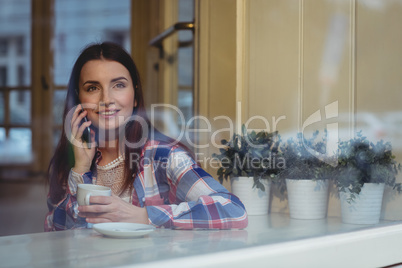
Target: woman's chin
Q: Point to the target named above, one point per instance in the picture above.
(109, 128)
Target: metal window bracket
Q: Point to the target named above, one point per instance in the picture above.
(179, 26)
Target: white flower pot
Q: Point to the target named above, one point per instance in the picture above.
(366, 207)
(307, 199)
(255, 200)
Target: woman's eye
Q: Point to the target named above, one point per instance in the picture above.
(120, 85)
(90, 89)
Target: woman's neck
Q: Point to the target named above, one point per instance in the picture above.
(110, 151)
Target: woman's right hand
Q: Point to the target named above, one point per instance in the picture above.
(82, 154)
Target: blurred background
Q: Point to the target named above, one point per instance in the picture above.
(39, 42)
(261, 59)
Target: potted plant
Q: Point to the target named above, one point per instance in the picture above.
(364, 169)
(250, 160)
(306, 176)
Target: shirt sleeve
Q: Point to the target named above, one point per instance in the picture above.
(64, 214)
(199, 200)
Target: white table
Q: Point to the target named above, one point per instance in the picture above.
(273, 240)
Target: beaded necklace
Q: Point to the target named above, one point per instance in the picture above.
(112, 164)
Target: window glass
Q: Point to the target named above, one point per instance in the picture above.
(15, 41)
(3, 46)
(59, 98)
(20, 46)
(17, 148)
(20, 107)
(78, 23)
(3, 76)
(15, 72)
(2, 135)
(1, 108)
(341, 73)
(21, 75)
(185, 62)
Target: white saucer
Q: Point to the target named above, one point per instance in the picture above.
(123, 229)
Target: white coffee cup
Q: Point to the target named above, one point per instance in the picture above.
(85, 191)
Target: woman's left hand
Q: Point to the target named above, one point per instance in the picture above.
(112, 209)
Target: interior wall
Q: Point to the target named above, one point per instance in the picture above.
(215, 77)
(379, 80)
(272, 58)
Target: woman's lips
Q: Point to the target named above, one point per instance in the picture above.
(108, 113)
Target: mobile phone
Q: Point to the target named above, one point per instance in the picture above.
(86, 135)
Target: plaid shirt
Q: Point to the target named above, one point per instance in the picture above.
(176, 192)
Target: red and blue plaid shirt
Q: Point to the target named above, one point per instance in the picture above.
(174, 189)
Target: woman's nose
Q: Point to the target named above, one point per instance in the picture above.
(106, 97)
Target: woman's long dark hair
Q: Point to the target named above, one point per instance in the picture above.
(63, 159)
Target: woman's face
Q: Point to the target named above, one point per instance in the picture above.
(106, 91)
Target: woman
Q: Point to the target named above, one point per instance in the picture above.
(153, 179)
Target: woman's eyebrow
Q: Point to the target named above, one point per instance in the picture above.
(113, 80)
(90, 82)
(118, 78)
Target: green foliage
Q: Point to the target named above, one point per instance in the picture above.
(263, 156)
(250, 154)
(302, 164)
(361, 161)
